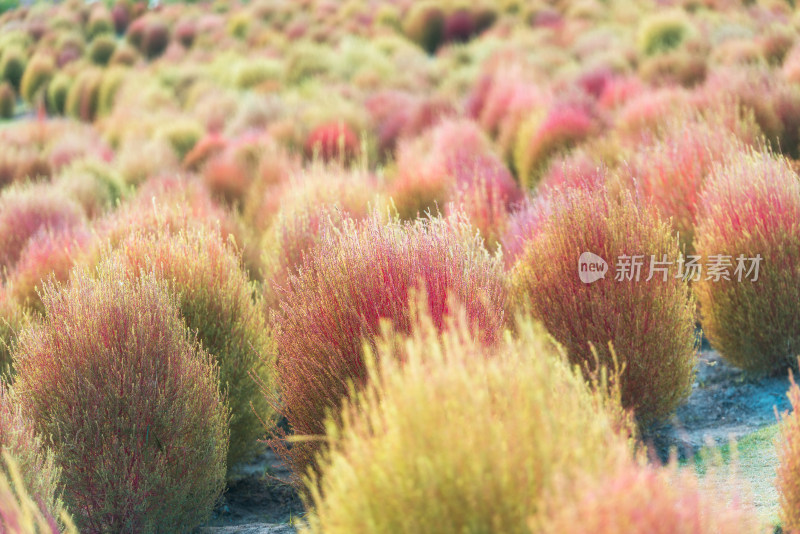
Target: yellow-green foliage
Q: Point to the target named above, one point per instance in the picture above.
(306, 60)
(181, 135)
(254, 72)
(113, 78)
(663, 31)
(12, 66)
(19, 512)
(102, 49)
(37, 75)
(460, 438)
(216, 301)
(83, 96)
(8, 100)
(57, 91)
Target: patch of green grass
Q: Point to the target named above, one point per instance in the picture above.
(750, 464)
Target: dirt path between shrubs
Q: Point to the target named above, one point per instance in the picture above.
(726, 404)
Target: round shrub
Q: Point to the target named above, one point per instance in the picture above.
(155, 38)
(424, 24)
(751, 207)
(130, 402)
(471, 440)
(84, 95)
(121, 16)
(253, 73)
(662, 32)
(57, 92)
(670, 171)
(185, 32)
(349, 283)
(99, 23)
(651, 500)
(333, 141)
(12, 67)
(459, 26)
(214, 297)
(37, 75)
(8, 101)
(24, 211)
(649, 322)
(544, 135)
(182, 135)
(48, 254)
(102, 48)
(95, 185)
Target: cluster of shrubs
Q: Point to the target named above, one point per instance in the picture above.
(351, 231)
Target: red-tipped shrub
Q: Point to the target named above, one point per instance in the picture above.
(185, 32)
(651, 500)
(576, 170)
(174, 204)
(333, 141)
(155, 38)
(455, 163)
(649, 322)
(130, 403)
(214, 297)
(670, 171)
(352, 281)
(47, 254)
(751, 207)
(26, 211)
(541, 137)
(459, 26)
(121, 16)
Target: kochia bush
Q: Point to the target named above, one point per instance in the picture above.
(130, 402)
(751, 207)
(471, 439)
(214, 297)
(788, 483)
(352, 280)
(650, 323)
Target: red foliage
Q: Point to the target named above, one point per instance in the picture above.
(351, 282)
(333, 141)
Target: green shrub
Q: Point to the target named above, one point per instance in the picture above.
(215, 300)
(8, 100)
(57, 93)
(12, 67)
(459, 438)
(662, 32)
(102, 49)
(424, 24)
(84, 95)
(130, 402)
(37, 75)
(99, 23)
(252, 73)
(181, 135)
